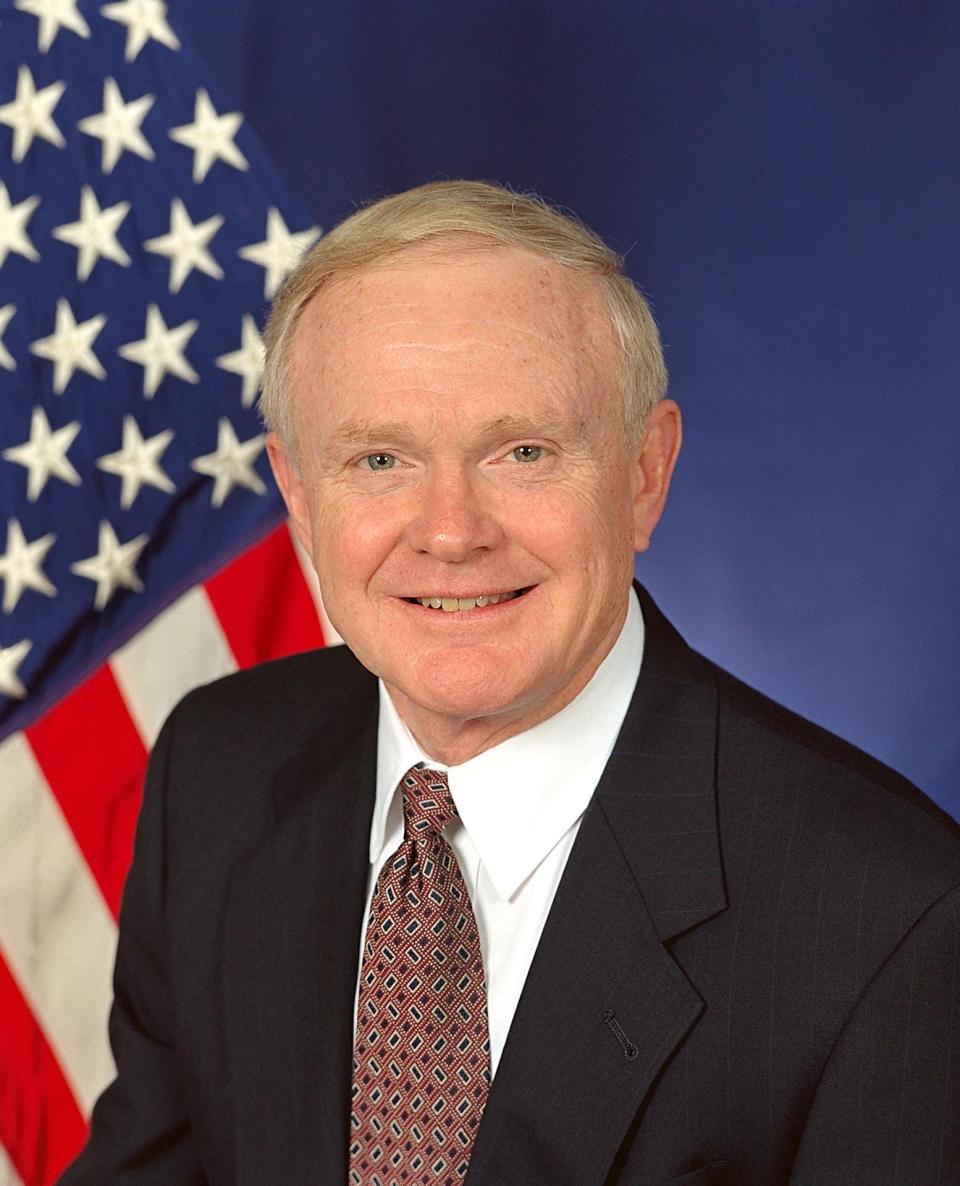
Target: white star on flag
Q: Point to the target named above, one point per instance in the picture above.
(13, 226)
(54, 15)
(70, 346)
(44, 455)
(111, 546)
(94, 234)
(138, 462)
(6, 358)
(279, 252)
(30, 114)
(21, 566)
(211, 137)
(232, 463)
(160, 351)
(247, 361)
(113, 566)
(185, 245)
(118, 126)
(144, 19)
(10, 660)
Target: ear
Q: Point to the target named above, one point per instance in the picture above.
(292, 487)
(655, 458)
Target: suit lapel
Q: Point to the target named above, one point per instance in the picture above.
(566, 1090)
(659, 790)
(645, 866)
(292, 945)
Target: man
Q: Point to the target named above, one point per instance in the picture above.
(555, 900)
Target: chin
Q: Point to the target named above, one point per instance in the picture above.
(467, 685)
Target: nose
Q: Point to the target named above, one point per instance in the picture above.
(455, 516)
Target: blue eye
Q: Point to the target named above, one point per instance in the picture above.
(527, 453)
(381, 461)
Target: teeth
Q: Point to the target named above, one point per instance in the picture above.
(461, 604)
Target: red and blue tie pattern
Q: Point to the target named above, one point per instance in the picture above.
(421, 1068)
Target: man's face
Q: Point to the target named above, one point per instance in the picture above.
(458, 426)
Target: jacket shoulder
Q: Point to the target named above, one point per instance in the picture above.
(818, 745)
(238, 730)
(281, 694)
(875, 820)
(225, 744)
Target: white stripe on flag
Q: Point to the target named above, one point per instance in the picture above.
(330, 634)
(8, 1175)
(56, 933)
(181, 648)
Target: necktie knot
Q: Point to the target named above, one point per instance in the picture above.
(427, 802)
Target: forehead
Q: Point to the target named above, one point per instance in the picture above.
(450, 318)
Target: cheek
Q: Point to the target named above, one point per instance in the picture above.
(349, 540)
(588, 527)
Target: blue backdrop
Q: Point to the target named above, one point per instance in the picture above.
(784, 178)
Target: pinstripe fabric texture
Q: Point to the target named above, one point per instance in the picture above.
(749, 976)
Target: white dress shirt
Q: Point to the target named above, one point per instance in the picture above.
(520, 804)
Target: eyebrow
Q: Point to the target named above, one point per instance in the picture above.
(362, 432)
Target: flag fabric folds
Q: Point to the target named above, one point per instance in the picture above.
(143, 547)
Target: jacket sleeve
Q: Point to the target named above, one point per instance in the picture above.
(140, 1131)
(887, 1108)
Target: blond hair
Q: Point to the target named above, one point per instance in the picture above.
(419, 216)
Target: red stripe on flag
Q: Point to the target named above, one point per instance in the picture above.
(41, 1126)
(92, 756)
(263, 603)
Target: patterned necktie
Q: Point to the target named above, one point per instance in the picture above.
(421, 1067)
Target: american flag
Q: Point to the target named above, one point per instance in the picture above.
(143, 548)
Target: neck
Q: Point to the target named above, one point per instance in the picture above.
(452, 740)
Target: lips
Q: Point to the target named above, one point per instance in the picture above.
(452, 605)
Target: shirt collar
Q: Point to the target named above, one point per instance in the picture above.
(540, 781)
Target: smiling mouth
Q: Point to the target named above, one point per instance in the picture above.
(453, 605)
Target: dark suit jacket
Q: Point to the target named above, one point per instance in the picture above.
(770, 916)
